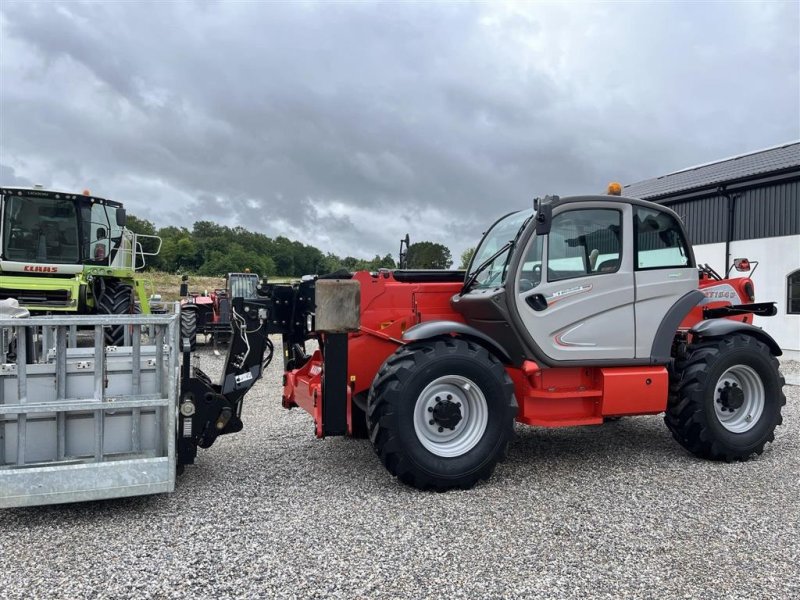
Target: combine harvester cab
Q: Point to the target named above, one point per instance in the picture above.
(71, 253)
(82, 420)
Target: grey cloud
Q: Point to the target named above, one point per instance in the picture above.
(8, 177)
(267, 115)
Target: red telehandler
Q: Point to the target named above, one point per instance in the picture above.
(576, 311)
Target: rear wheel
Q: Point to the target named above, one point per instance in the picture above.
(726, 398)
(116, 299)
(441, 413)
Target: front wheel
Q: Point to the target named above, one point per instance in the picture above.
(116, 299)
(441, 413)
(726, 398)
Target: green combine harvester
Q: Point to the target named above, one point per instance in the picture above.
(71, 253)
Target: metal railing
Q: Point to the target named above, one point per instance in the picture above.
(80, 420)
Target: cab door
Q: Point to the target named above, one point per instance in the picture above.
(665, 271)
(575, 286)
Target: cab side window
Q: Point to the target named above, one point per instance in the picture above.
(659, 240)
(531, 274)
(584, 242)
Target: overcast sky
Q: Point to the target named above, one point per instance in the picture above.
(347, 125)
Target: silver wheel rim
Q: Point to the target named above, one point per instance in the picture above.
(744, 418)
(466, 434)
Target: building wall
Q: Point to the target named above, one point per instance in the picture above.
(777, 257)
(771, 210)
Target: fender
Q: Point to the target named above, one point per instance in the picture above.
(430, 329)
(716, 328)
(665, 334)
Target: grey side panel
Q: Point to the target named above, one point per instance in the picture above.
(429, 329)
(665, 334)
(657, 291)
(715, 328)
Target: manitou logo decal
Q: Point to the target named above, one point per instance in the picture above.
(561, 294)
(39, 269)
(720, 293)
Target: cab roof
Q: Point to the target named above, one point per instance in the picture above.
(41, 193)
(555, 201)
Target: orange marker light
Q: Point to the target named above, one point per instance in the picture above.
(87, 193)
(614, 189)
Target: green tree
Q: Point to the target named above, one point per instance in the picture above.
(466, 256)
(235, 259)
(429, 255)
(179, 254)
(387, 262)
(283, 255)
(211, 249)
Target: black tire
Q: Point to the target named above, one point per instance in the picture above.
(189, 327)
(393, 400)
(695, 398)
(116, 299)
(359, 418)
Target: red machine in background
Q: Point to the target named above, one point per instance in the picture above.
(212, 311)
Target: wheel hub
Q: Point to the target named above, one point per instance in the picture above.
(739, 398)
(731, 396)
(446, 413)
(450, 416)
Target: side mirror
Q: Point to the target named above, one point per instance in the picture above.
(543, 218)
(741, 264)
(122, 217)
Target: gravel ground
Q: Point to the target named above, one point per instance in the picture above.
(791, 371)
(613, 511)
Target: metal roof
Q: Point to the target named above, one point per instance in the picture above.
(771, 160)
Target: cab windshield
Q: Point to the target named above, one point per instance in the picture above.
(57, 230)
(43, 230)
(501, 233)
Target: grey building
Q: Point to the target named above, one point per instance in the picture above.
(746, 206)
